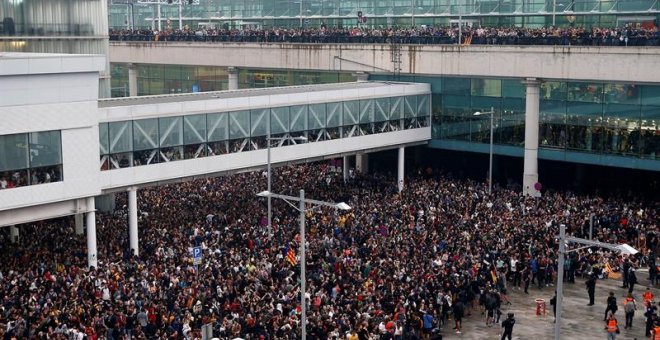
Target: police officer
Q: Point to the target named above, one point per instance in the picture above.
(508, 327)
(591, 288)
(611, 305)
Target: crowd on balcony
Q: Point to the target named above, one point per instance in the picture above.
(398, 265)
(615, 36)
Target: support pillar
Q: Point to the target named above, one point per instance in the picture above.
(346, 166)
(80, 226)
(530, 172)
(13, 234)
(92, 256)
(401, 168)
(362, 163)
(232, 74)
(133, 221)
(132, 80)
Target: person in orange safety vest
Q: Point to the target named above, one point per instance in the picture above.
(647, 296)
(655, 332)
(612, 327)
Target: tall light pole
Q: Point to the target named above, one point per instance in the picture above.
(269, 139)
(301, 208)
(490, 158)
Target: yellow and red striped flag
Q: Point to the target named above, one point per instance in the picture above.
(291, 257)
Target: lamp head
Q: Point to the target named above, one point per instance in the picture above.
(264, 193)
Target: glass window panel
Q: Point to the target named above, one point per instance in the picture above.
(45, 148)
(13, 152)
(513, 88)
(317, 113)
(513, 104)
(622, 93)
(460, 86)
(651, 95)
(585, 109)
(104, 144)
(194, 129)
(171, 131)
(621, 125)
(145, 134)
(649, 142)
(486, 87)
(410, 106)
(585, 92)
(452, 101)
(259, 122)
(481, 103)
(121, 136)
(553, 90)
(351, 114)
(366, 111)
(298, 121)
(382, 109)
(239, 124)
(396, 108)
(279, 120)
(423, 105)
(217, 126)
(334, 114)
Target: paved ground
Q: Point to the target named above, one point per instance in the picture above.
(580, 321)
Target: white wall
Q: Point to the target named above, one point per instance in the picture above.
(54, 92)
(626, 64)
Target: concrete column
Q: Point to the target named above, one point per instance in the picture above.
(530, 172)
(80, 226)
(92, 257)
(362, 163)
(13, 234)
(401, 168)
(346, 166)
(232, 74)
(132, 80)
(132, 221)
(361, 76)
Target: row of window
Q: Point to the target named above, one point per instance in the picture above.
(30, 159)
(155, 140)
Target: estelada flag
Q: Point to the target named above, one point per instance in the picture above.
(291, 257)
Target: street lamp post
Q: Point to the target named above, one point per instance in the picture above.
(269, 139)
(490, 158)
(301, 208)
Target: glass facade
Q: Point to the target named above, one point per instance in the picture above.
(598, 118)
(30, 159)
(168, 79)
(63, 26)
(383, 13)
(156, 140)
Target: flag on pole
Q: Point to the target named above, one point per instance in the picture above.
(291, 257)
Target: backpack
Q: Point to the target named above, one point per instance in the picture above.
(629, 307)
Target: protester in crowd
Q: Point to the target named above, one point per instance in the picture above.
(434, 247)
(629, 35)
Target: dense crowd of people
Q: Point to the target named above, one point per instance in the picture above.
(398, 265)
(596, 36)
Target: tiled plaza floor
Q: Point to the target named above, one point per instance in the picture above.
(580, 322)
